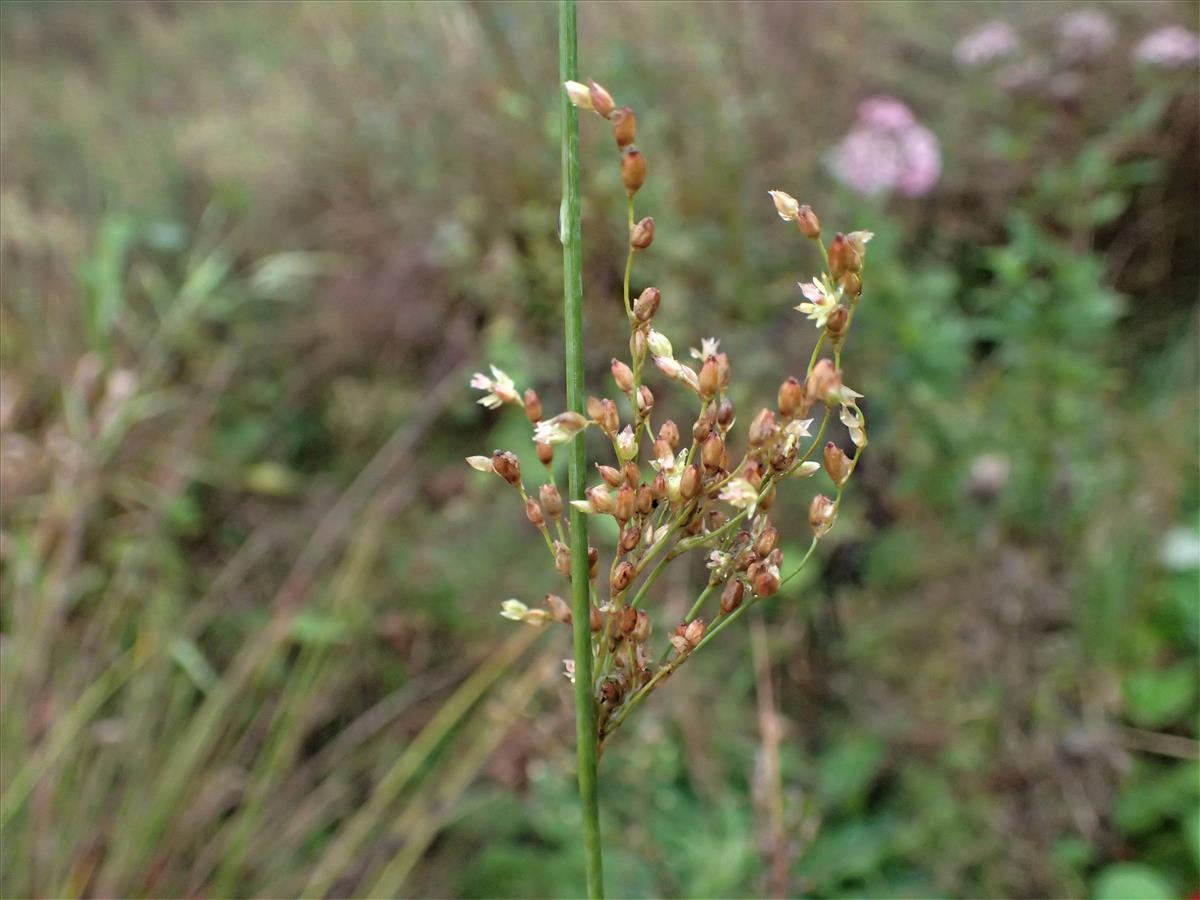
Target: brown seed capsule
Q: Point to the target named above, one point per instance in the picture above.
(767, 541)
(837, 321)
(725, 413)
(694, 631)
(627, 619)
(641, 631)
(709, 379)
(791, 397)
(731, 597)
(624, 124)
(714, 519)
(723, 371)
(645, 399)
(602, 101)
(810, 225)
(632, 474)
(753, 473)
(644, 499)
(593, 561)
(695, 524)
(642, 235)
(594, 618)
(821, 513)
(622, 375)
(763, 428)
(551, 500)
(646, 305)
(533, 406)
(612, 477)
(851, 284)
(843, 257)
(712, 451)
(659, 486)
(562, 558)
(633, 169)
(610, 420)
(837, 464)
(764, 579)
(611, 691)
(662, 449)
(703, 424)
(533, 513)
(558, 608)
(668, 432)
(545, 453)
(823, 378)
(595, 408)
(507, 466)
(623, 505)
(689, 482)
(630, 536)
(622, 576)
(600, 498)
(637, 344)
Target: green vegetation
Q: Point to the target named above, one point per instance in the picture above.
(251, 255)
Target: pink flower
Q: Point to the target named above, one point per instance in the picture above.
(885, 114)
(887, 150)
(1172, 47)
(986, 44)
(1085, 34)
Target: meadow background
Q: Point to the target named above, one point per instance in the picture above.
(250, 643)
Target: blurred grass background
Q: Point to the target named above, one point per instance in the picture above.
(251, 253)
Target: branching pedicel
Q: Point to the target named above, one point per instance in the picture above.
(695, 498)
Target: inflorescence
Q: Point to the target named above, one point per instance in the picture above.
(692, 496)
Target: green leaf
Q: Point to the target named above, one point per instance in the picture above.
(1131, 881)
(1156, 698)
(847, 771)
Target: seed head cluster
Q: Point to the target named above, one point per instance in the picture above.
(706, 489)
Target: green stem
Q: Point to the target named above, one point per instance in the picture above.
(585, 705)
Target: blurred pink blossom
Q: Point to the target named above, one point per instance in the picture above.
(887, 150)
(1085, 34)
(986, 44)
(1172, 47)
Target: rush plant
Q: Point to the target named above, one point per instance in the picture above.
(706, 489)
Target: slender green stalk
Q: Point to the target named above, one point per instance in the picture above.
(585, 707)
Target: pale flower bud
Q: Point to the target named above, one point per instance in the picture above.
(626, 444)
(579, 94)
(480, 463)
(694, 632)
(786, 205)
(659, 345)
